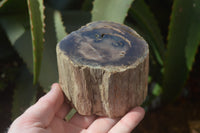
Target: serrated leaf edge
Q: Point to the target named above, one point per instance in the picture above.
(35, 71)
(2, 3)
(58, 16)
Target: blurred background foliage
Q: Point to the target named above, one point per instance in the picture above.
(30, 30)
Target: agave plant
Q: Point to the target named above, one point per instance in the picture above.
(34, 31)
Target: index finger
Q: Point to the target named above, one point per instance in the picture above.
(47, 106)
(129, 121)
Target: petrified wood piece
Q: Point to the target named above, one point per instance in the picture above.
(103, 68)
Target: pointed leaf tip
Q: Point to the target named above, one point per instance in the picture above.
(59, 26)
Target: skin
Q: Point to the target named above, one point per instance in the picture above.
(47, 116)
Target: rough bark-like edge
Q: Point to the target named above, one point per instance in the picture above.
(80, 82)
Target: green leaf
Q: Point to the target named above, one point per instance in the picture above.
(70, 114)
(23, 46)
(2, 3)
(146, 21)
(193, 39)
(13, 29)
(59, 27)
(19, 35)
(157, 90)
(183, 41)
(24, 93)
(36, 15)
(49, 74)
(110, 10)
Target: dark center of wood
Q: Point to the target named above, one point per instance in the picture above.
(104, 43)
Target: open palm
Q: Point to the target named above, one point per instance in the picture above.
(47, 116)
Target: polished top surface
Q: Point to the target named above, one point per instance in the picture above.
(104, 43)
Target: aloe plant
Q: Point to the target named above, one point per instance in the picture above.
(36, 14)
(183, 42)
(147, 25)
(145, 19)
(169, 67)
(60, 29)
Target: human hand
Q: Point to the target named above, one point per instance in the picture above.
(47, 116)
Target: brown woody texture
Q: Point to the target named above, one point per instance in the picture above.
(103, 69)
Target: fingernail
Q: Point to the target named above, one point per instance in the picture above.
(54, 86)
(139, 109)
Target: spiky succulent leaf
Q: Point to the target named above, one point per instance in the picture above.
(22, 43)
(18, 32)
(145, 19)
(36, 15)
(183, 41)
(59, 27)
(110, 10)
